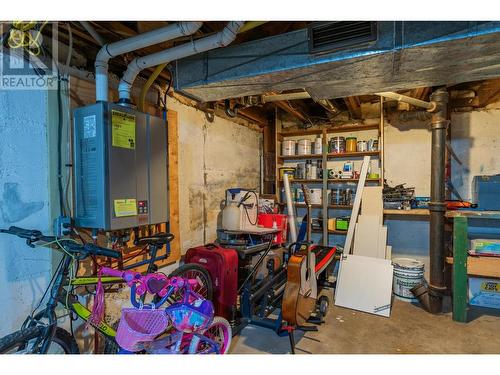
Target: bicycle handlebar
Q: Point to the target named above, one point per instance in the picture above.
(33, 235)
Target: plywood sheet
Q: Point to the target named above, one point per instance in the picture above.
(365, 284)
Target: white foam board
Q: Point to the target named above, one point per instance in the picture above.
(365, 284)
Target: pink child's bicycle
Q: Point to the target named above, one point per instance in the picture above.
(187, 326)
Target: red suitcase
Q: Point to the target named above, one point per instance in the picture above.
(222, 265)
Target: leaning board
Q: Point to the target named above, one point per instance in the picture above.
(365, 284)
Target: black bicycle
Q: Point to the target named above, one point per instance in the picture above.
(40, 334)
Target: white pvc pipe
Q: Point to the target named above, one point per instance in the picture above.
(221, 39)
(150, 38)
(93, 33)
(289, 208)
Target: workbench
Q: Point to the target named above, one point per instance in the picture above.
(465, 264)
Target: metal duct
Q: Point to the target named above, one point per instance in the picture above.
(405, 55)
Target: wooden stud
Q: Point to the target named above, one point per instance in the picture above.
(173, 181)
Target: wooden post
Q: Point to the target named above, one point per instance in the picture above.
(460, 269)
(173, 183)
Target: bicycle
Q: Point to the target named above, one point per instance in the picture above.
(188, 326)
(39, 333)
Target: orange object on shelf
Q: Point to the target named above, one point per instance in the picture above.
(351, 144)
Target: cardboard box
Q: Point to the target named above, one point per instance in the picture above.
(484, 292)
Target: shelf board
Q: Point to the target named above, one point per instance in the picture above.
(332, 130)
(347, 207)
(300, 157)
(331, 180)
(343, 155)
(414, 212)
(353, 154)
(343, 232)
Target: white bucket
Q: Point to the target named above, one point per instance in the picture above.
(407, 274)
(288, 148)
(304, 147)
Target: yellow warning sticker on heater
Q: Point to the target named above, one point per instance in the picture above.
(125, 207)
(122, 129)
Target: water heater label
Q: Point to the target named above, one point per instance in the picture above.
(89, 127)
(125, 207)
(122, 129)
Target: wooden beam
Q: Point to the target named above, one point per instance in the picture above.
(254, 115)
(173, 184)
(288, 108)
(353, 106)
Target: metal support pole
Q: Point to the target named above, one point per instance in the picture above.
(437, 205)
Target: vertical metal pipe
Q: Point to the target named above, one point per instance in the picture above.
(437, 205)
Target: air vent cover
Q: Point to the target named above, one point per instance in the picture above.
(328, 36)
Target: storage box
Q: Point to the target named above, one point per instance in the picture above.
(485, 246)
(486, 190)
(342, 223)
(484, 292)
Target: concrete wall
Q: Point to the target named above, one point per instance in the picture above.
(475, 140)
(24, 202)
(212, 158)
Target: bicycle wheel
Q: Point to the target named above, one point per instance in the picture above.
(194, 271)
(23, 341)
(219, 331)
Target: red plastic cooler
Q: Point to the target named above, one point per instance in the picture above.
(275, 221)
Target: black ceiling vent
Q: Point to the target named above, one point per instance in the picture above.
(328, 36)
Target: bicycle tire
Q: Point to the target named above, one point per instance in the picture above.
(184, 271)
(196, 347)
(61, 337)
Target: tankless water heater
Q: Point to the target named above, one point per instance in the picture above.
(120, 167)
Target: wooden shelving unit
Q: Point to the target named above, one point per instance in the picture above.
(325, 133)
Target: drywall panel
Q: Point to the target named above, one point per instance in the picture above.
(212, 158)
(365, 284)
(366, 236)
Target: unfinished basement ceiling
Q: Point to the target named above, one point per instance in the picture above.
(405, 55)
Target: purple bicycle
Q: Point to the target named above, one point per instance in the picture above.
(187, 326)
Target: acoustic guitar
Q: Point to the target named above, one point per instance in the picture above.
(299, 299)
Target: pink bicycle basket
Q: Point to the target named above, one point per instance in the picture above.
(139, 325)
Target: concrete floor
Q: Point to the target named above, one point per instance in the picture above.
(409, 330)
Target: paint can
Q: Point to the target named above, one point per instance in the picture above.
(336, 145)
(373, 145)
(407, 274)
(287, 170)
(337, 197)
(316, 196)
(304, 147)
(288, 148)
(318, 146)
(351, 144)
(362, 146)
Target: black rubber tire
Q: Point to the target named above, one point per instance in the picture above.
(62, 338)
(224, 327)
(323, 304)
(184, 271)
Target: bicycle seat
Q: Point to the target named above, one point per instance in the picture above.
(159, 239)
